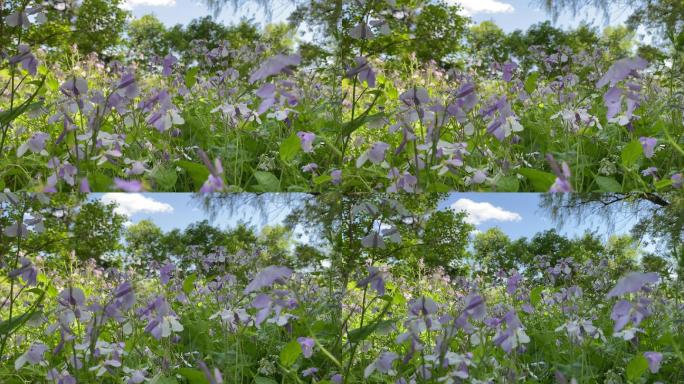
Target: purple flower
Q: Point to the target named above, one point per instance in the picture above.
(654, 359)
(274, 65)
(74, 87)
(620, 314)
(266, 91)
(382, 364)
(127, 87)
(422, 306)
(306, 140)
(677, 180)
(364, 71)
(214, 181)
(165, 272)
(650, 171)
(310, 167)
(26, 58)
(475, 307)
(633, 282)
(508, 69)
(168, 63)
(621, 69)
(376, 278)
(27, 272)
(336, 175)
(415, 96)
(361, 31)
(562, 182)
(309, 372)
(36, 144)
(34, 355)
(648, 144)
(128, 185)
(337, 378)
(18, 18)
(307, 345)
(267, 277)
(373, 240)
(71, 297)
(85, 186)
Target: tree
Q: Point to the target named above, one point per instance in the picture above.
(143, 243)
(491, 250)
(97, 229)
(147, 36)
(487, 42)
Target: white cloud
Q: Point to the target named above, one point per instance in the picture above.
(130, 4)
(481, 212)
(471, 7)
(132, 203)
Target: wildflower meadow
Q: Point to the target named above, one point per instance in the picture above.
(384, 291)
(357, 96)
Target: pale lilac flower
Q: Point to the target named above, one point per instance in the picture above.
(128, 185)
(562, 182)
(650, 171)
(85, 186)
(621, 69)
(508, 69)
(127, 88)
(33, 356)
(363, 70)
(373, 240)
(36, 144)
(654, 359)
(306, 140)
(648, 144)
(376, 279)
(307, 345)
(274, 65)
(382, 364)
(633, 282)
(309, 372)
(377, 152)
(75, 86)
(336, 175)
(27, 271)
(267, 277)
(310, 167)
(18, 19)
(337, 378)
(361, 31)
(168, 63)
(677, 180)
(26, 58)
(165, 272)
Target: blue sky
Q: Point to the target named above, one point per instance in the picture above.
(509, 14)
(516, 214)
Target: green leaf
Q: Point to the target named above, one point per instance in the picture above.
(268, 182)
(359, 334)
(264, 380)
(631, 153)
(322, 179)
(290, 353)
(194, 376)
(99, 182)
(162, 379)
(536, 295)
(608, 184)
(507, 184)
(531, 82)
(351, 126)
(189, 283)
(636, 367)
(165, 177)
(198, 172)
(541, 181)
(289, 148)
(664, 183)
(191, 76)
